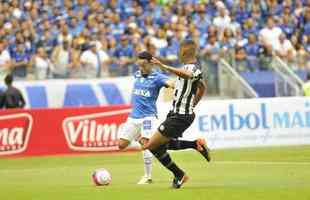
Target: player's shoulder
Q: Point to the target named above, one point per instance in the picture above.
(159, 74)
(156, 73)
(192, 66)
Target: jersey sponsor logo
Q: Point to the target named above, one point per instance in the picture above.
(94, 132)
(140, 92)
(14, 133)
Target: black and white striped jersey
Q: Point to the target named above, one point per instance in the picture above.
(185, 90)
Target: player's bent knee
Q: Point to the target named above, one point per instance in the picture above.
(122, 144)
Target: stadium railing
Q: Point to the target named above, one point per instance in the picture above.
(232, 84)
(287, 82)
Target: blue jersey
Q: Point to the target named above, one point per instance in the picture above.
(145, 93)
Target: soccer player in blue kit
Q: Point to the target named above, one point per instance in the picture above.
(141, 123)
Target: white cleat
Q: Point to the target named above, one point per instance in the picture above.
(145, 180)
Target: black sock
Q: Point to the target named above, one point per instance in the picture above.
(175, 144)
(164, 158)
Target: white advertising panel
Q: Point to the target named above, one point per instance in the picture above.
(250, 122)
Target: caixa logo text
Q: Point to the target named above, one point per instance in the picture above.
(94, 132)
(15, 130)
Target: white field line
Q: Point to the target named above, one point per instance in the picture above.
(44, 170)
(261, 162)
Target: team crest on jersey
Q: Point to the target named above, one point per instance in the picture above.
(162, 128)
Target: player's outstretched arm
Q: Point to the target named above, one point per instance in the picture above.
(183, 73)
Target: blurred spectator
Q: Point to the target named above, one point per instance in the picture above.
(273, 8)
(76, 69)
(5, 60)
(113, 68)
(265, 57)
(91, 62)
(211, 52)
(257, 13)
(105, 59)
(302, 57)
(269, 35)
(48, 41)
(242, 11)
(41, 64)
(222, 21)
(240, 59)
(285, 49)
(306, 86)
(212, 49)
(287, 25)
(61, 59)
(240, 40)
(83, 39)
(64, 36)
(227, 43)
(2, 99)
(252, 49)
(234, 25)
(249, 27)
(171, 51)
(306, 21)
(298, 8)
(124, 53)
(13, 96)
(306, 43)
(20, 61)
(202, 20)
(159, 41)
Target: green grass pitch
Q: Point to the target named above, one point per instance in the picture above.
(236, 174)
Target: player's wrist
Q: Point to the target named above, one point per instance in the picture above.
(164, 67)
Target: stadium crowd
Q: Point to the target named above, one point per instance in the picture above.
(42, 39)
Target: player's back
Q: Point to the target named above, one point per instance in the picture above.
(185, 89)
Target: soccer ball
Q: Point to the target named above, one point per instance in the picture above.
(101, 177)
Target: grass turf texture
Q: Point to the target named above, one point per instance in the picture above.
(241, 174)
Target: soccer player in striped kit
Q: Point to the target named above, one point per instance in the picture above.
(188, 90)
(141, 122)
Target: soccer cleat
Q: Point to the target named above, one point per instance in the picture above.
(203, 149)
(178, 182)
(145, 180)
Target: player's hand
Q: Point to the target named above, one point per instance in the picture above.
(156, 61)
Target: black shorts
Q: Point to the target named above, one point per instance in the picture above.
(175, 124)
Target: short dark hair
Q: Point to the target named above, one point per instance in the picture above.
(8, 79)
(191, 49)
(145, 55)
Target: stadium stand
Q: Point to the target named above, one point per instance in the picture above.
(63, 39)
